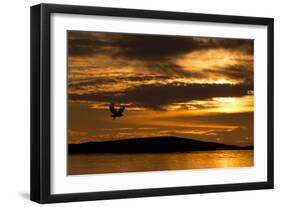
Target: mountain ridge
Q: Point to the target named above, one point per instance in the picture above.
(152, 144)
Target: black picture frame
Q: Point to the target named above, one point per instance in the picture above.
(41, 95)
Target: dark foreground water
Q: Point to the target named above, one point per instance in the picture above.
(124, 162)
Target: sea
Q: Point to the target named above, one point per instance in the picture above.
(97, 163)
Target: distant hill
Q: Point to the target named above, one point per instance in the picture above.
(153, 144)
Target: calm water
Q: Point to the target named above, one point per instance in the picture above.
(110, 163)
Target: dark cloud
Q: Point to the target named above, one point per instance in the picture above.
(244, 45)
(236, 72)
(156, 96)
(153, 53)
(96, 81)
(143, 47)
(156, 47)
(146, 47)
(170, 69)
(92, 82)
(84, 47)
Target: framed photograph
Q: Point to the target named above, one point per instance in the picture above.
(133, 103)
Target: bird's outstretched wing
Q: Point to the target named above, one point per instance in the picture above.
(120, 110)
(112, 109)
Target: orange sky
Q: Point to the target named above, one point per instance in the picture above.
(192, 87)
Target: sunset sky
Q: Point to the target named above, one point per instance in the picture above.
(191, 87)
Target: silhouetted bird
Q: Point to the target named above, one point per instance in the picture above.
(116, 113)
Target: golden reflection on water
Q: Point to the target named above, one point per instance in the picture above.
(139, 162)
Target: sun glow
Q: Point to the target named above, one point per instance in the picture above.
(225, 100)
(233, 105)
